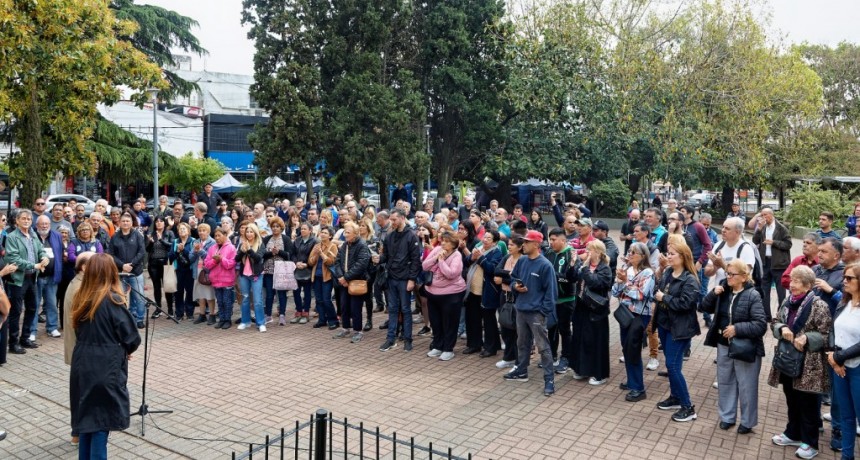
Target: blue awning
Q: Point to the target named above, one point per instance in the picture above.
(234, 161)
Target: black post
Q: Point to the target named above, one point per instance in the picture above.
(321, 417)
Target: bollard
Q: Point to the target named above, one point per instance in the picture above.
(320, 440)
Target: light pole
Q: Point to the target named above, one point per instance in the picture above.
(427, 134)
(153, 93)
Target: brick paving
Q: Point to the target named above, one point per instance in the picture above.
(242, 385)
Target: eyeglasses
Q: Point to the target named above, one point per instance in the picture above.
(729, 275)
(849, 278)
(40, 203)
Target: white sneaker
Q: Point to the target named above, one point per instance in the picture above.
(447, 356)
(858, 429)
(242, 326)
(56, 334)
(434, 353)
(806, 451)
(653, 364)
(505, 364)
(716, 385)
(621, 359)
(463, 336)
(33, 337)
(595, 382)
(263, 328)
(827, 417)
(577, 376)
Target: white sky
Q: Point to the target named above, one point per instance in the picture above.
(220, 31)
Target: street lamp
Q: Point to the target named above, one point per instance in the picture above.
(427, 134)
(153, 94)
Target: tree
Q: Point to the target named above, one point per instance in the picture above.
(123, 157)
(59, 59)
(193, 172)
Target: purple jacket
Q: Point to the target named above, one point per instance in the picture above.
(447, 273)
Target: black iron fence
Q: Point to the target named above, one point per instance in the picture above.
(325, 437)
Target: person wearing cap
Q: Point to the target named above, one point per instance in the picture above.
(601, 232)
(561, 257)
(585, 236)
(212, 199)
(534, 286)
(736, 212)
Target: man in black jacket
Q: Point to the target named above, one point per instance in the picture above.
(128, 249)
(211, 199)
(401, 253)
(774, 244)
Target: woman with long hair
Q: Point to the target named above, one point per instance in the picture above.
(180, 256)
(158, 245)
(249, 259)
(589, 340)
(302, 247)
(677, 322)
(845, 359)
(536, 223)
(279, 248)
(502, 277)
(365, 231)
(221, 263)
(634, 288)
(106, 337)
(322, 257)
(428, 240)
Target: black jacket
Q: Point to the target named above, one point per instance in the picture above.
(358, 260)
(301, 250)
(256, 258)
(599, 282)
(128, 249)
(780, 249)
(401, 254)
(833, 277)
(285, 254)
(97, 385)
(164, 245)
(212, 201)
(748, 315)
(678, 307)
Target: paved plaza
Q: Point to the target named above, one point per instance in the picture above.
(242, 385)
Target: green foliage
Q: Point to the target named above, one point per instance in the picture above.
(809, 200)
(611, 198)
(125, 158)
(192, 172)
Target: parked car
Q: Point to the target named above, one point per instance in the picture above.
(373, 200)
(700, 200)
(150, 204)
(89, 205)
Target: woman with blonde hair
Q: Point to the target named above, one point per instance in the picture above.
(589, 347)
(365, 231)
(353, 261)
(106, 337)
(677, 322)
(739, 317)
(249, 259)
(180, 256)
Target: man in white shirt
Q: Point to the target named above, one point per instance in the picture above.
(727, 251)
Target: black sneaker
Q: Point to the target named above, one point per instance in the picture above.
(200, 319)
(623, 386)
(635, 396)
(155, 315)
(685, 414)
(548, 388)
(388, 346)
(140, 325)
(671, 403)
(686, 354)
(407, 345)
(517, 375)
(424, 331)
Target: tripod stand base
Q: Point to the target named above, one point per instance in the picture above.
(143, 411)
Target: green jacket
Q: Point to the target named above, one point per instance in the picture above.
(16, 253)
(561, 265)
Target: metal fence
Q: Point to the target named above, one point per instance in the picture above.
(325, 437)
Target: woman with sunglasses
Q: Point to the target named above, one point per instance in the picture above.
(845, 357)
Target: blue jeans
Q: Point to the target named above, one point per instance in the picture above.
(93, 446)
(135, 300)
(46, 289)
(635, 372)
(846, 393)
(268, 285)
(673, 350)
(252, 286)
(835, 408)
(322, 292)
(398, 301)
(225, 298)
(703, 291)
(303, 305)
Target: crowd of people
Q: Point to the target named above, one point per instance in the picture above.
(506, 283)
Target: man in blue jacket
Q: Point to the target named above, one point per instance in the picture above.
(534, 283)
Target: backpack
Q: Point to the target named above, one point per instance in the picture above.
(757, 268)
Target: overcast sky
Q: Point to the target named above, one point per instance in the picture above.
(220, 31)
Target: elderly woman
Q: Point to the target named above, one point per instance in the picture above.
(634, 287)
(589, 347)
(352, 264)
(738, 316)
(180, 256)
(845, 357)
(445, 295)
(204, 294)
(677, 322)
(805, 321)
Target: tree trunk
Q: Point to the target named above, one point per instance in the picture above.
(728, 198)
(32, 152)
(383, 193)
(503, 194)
(760, 197)
(309, 182)
(418, 203)
(781, 192)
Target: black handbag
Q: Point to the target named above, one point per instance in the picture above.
(596, 301)
(508, 315)
(788, 360)
(302, 274)
(624, 316)
(743, 349)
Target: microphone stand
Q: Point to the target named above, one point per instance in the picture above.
(144, 408)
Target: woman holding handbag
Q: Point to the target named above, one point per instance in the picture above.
(279, 248)
(302, 247)
(804, 322)
(502, 278)
(180, 255)
(677, 322)
(350, 269)
(589, 347)
(739, 325)
(249, 259)
(158, 245)
(634, 287)
(204, 293)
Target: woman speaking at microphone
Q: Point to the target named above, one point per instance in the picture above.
(106, 338)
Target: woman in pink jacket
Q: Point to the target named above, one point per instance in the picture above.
(445, 295)
(221, 263)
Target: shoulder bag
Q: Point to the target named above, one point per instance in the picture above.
(596, 301)
(788, 360)
(624, 316)
(168, 282)
(508, 313)
(355, 287)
